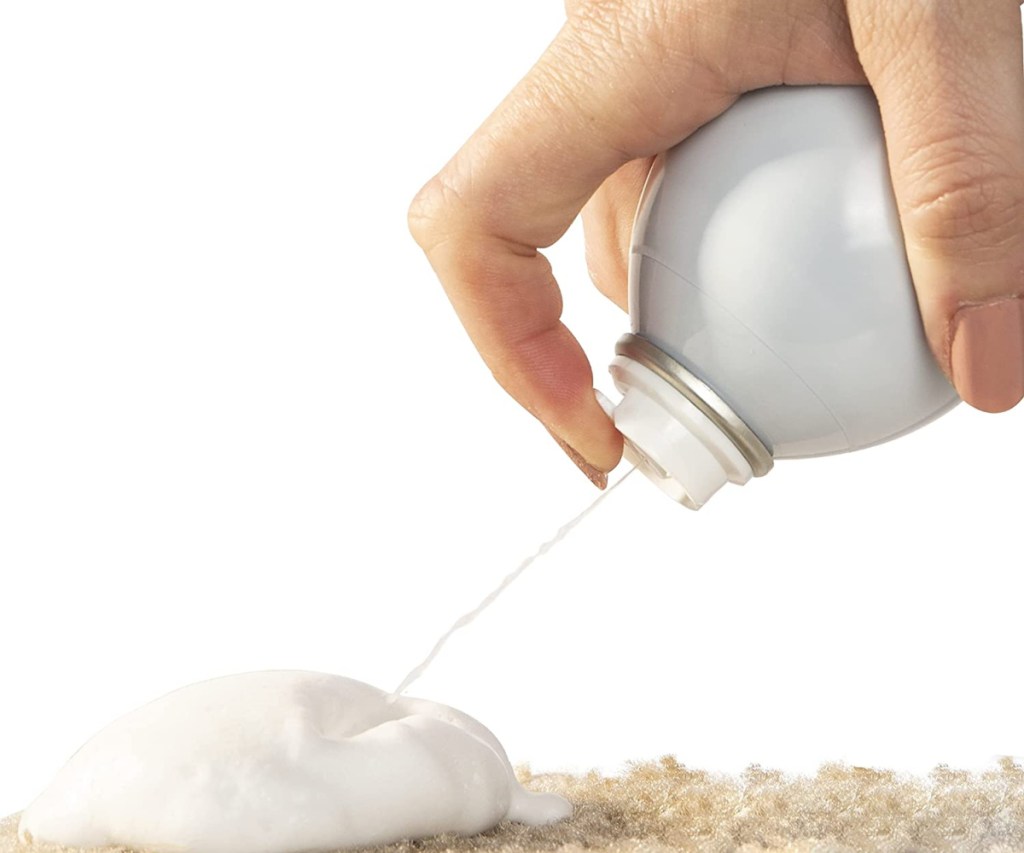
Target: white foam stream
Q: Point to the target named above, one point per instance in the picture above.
(464, 620)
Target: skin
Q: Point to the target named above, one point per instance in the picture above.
(626, 79)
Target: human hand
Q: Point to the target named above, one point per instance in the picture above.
(626, 79)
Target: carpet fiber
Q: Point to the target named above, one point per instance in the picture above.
(666, 806)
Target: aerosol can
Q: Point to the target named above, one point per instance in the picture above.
(773, 315)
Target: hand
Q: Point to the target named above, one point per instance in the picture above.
(625, 79)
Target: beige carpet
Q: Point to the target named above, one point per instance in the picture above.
(666, 806)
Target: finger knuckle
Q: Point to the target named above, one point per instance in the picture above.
(960, 201)
(605, 261)
(885, 29)
(599, 276)
(431, 213)
(647, 47)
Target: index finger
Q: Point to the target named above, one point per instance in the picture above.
(517, 185)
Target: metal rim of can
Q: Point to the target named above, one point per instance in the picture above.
(702, 396)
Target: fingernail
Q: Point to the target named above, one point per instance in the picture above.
(987, 355)
(596, 476)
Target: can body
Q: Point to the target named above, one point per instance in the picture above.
(768, 260)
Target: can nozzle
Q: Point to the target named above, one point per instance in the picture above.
(683, 445)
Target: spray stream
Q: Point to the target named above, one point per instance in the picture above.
(464, 620)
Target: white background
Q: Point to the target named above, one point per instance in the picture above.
(240, 428)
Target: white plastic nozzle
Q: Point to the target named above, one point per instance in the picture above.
(667, 437)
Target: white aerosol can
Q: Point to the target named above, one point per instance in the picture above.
(772, 310)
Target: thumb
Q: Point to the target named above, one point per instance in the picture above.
(950, 84)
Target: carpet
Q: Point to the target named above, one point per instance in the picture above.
(666, 806)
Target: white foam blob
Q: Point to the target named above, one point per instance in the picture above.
(276, 762)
